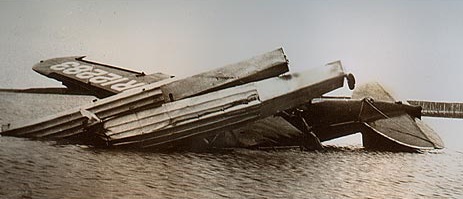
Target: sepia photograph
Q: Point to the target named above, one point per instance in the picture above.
(231, 99)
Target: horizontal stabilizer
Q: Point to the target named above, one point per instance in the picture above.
(408, 132)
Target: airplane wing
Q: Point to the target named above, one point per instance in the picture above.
(88, 77)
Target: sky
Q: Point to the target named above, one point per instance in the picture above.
(412, 47)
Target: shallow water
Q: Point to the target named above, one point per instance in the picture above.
(46, 169)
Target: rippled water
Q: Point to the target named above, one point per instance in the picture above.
(38, 169)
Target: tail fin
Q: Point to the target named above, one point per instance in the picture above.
(373, 90)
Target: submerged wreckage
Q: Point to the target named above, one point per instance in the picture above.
(254, 103)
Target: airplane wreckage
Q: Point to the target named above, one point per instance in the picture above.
(255, 103)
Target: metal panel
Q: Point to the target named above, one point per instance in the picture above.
(67, 123)
(221, 110)
(260, 67)
(184, 115)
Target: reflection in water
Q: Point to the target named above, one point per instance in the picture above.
(37, 169)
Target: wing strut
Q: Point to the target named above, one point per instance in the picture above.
(309, 140)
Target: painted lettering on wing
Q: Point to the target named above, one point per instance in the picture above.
(96, 76)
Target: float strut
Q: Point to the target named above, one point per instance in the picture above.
(309, 140)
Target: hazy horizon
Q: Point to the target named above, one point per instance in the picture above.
(411, 47)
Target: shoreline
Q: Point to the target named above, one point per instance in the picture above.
(46, 90)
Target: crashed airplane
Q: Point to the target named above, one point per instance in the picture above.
(254, 103)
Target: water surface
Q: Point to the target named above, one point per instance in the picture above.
(47, 169)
